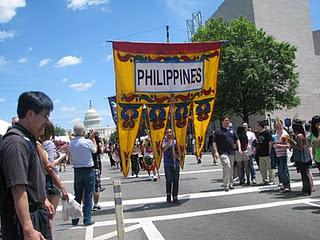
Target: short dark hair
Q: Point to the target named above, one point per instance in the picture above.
(35, 101)
(223, 118)
(262, 124)
(48, 131)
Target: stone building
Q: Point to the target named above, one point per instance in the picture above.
(287, 20)
(92, 120)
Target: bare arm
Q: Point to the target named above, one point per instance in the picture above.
(238, 146)
(49, 168)
(166, 145)
(21, 205)
(215, 150)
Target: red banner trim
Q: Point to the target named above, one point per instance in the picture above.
(165, 48)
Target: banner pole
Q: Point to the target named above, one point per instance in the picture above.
(172, 127)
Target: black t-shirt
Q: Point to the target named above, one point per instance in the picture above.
(225, 140)
(263, 140)
(17, 167)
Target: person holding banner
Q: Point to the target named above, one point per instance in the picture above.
(171, 166)
(225, 138)
(148, 159)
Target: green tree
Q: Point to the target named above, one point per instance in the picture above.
(113, 137)
(59, 131)
(257, 73)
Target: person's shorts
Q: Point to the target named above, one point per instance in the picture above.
(241, 157)
(51, 189)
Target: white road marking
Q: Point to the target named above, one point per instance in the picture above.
(151, 231)
(161, 174)
(89, 232)
(153, 234)
(102, 179)
(189, 196)
(114, 233)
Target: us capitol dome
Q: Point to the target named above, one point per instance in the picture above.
(92, 120)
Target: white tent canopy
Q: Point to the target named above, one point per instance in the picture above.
(4, 126)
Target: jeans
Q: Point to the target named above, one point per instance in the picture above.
(172, 180)
(283, 172)
(251, 167)
(84, 179)
(306, 180)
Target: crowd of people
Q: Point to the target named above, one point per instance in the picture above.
(237, 149)
(31, 188)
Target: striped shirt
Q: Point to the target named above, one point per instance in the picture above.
(281, 139)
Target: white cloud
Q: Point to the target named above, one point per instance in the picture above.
(64, 80)
(82, 86)
(76, 120)
(83, 4)
(8, 9)
(68, 109)
(29, 49)
(23, 60)
(6, 35)
(68, 61)
(3, 61)
(2, 99)
(109, 57)
(56, 101)
(44, 62)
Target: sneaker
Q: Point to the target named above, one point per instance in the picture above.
(236, 179)
(168, 198)
(96, 208)
(285, 190)
(89, 223)
(102, 189)
(226, 189)
(75, 222)
(155, 179)
(215, 164)
(149, 178)
(231, 186)
(199, 161)
(175, 199)
(254, 181)
(270, 183)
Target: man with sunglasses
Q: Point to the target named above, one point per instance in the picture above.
(25, 207)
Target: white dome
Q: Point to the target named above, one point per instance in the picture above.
(92, 118)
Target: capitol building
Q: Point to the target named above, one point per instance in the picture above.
(92, 120)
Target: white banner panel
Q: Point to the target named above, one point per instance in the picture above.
(168, 77)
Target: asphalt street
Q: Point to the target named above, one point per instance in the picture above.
(205, 211)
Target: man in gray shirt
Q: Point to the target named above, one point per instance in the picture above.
(84, 178)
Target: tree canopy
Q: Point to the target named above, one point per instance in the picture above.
(256, 73)
(59, 131)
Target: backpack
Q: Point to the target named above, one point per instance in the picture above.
(4, 192)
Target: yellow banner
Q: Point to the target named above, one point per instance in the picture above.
(202, 110)
(128, 126)
(162, 74)
(181, 119)
(157, 117)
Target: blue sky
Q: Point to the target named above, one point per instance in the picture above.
(59, 47)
